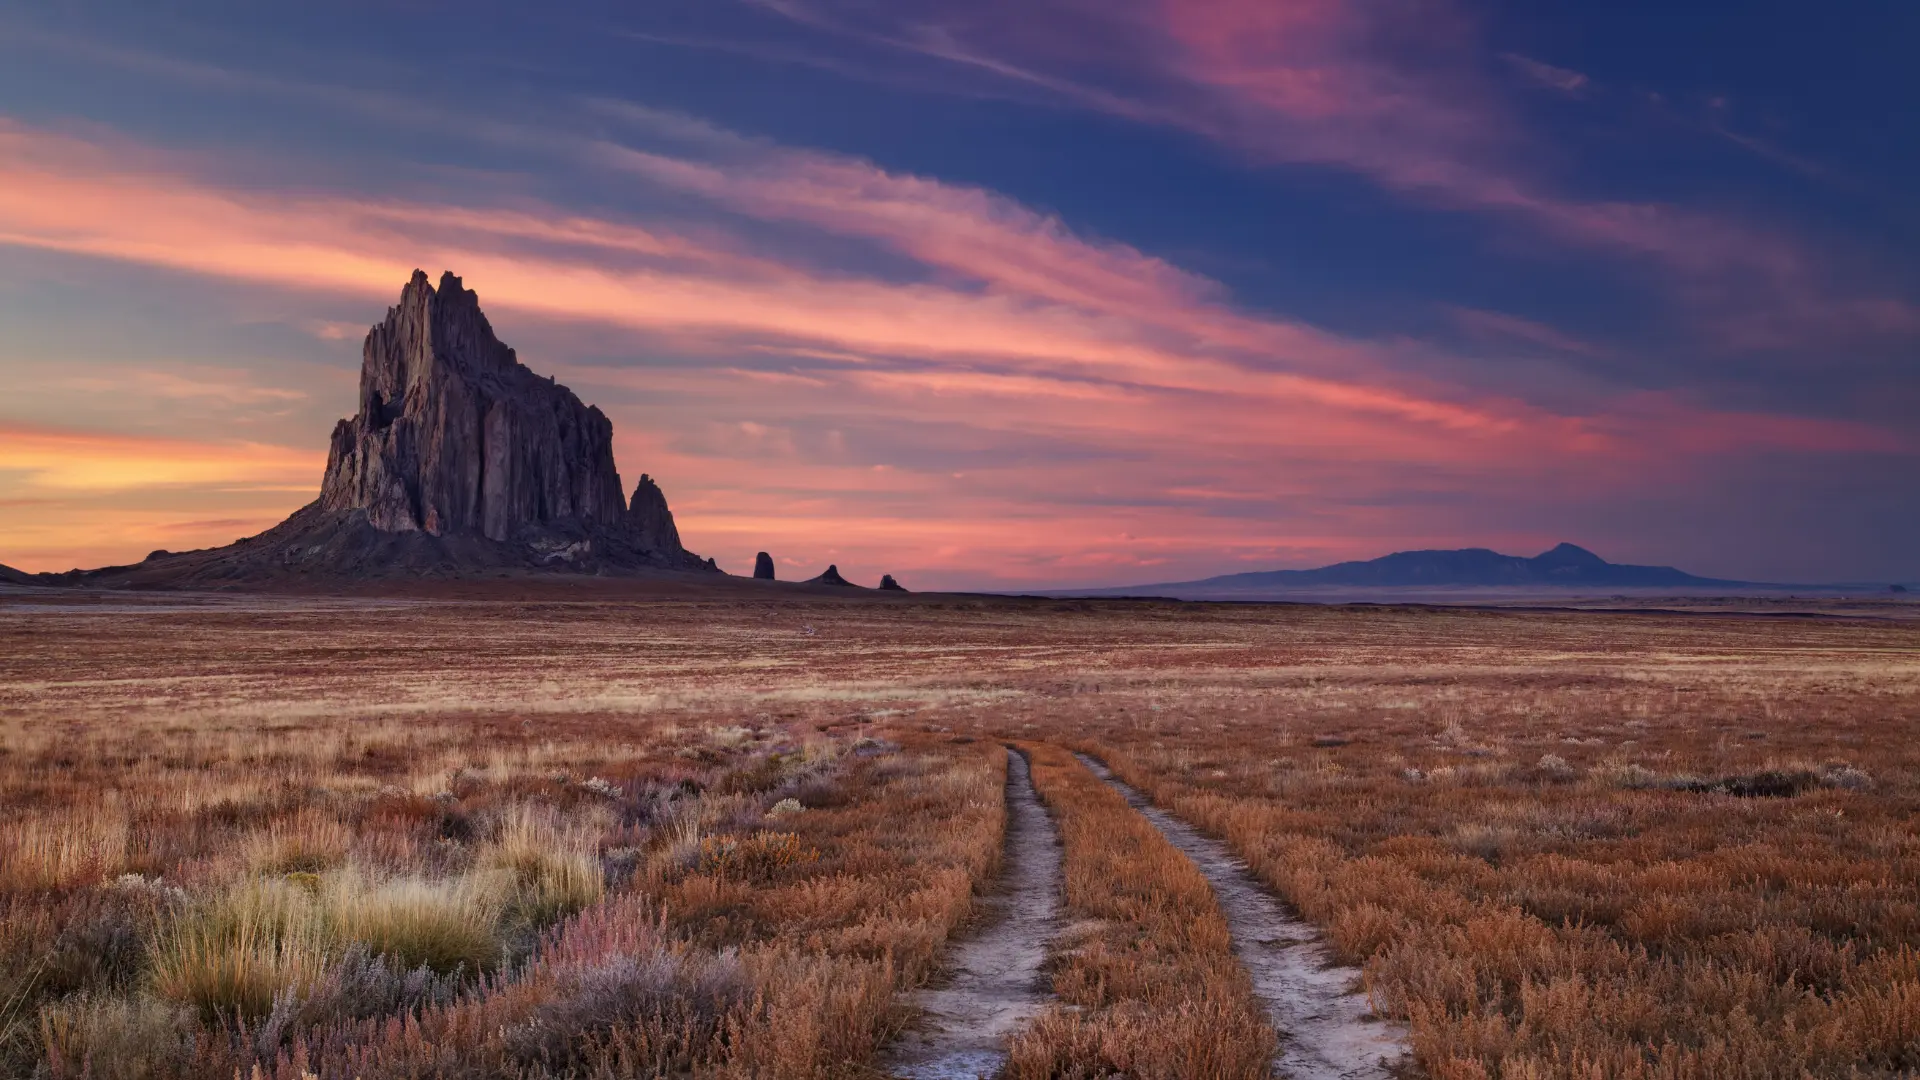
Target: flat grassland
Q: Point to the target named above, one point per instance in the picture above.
(290, 837)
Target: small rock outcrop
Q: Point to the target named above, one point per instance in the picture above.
(887, 584)
(831, 577)
(763, 567)
(649, 521)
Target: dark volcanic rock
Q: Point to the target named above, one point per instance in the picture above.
(831, 577)
(10, 576)
(455, 435)
(887, 584)
(649, 521)
(763, 566)
(460, 461)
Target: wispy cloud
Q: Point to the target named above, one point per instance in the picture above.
(1397, 94)
(1021, 373)
(222, 386)
(1565, 80)
(63, 461)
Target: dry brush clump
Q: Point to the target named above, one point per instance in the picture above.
(1147, 971)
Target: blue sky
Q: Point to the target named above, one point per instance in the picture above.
(999, 294)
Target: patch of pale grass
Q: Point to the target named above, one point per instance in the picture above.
(554, 871)
(114, 1038)
(309, 843)
(60, 852)
(232, 956)
(445, 925)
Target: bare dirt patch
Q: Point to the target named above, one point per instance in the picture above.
(995, 982)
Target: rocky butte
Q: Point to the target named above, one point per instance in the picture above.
(460, 461)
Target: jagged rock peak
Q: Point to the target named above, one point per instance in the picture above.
(763, 567)
(831, 577)
(650, 522)
(887, 584)
(455, 436)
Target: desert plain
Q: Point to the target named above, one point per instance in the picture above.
(554, 832)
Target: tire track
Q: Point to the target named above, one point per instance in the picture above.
(996, 982)
(1327, 1030)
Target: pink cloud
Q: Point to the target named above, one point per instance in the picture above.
(1398, 94)
(58, 460)
(1046, 403)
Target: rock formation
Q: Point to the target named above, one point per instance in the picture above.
(10, 576)
(887, 584)
(831, 577)
(459, 461)
(455, 435)
(649, 521)
(763, 566)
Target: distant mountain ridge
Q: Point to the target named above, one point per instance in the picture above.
(1563, 565)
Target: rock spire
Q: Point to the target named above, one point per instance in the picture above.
(455, 435)
(763, 567)
(649, 521)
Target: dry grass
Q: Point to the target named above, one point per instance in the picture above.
(551, 871)
(577, 839)
(39, 854)
(306, 843)
(203, 879)
(1556, 920)
(232, 956)
(446, 925)
(1147, 971)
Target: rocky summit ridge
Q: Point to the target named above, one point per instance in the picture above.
(455, 435)
(460, 461)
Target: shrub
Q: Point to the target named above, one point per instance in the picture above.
(669, 1010)
(113, 1038)
(357, 986)
(762, 857)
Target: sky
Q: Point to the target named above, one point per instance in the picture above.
(1003, 293)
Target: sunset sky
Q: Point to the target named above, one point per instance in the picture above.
(999, 293)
